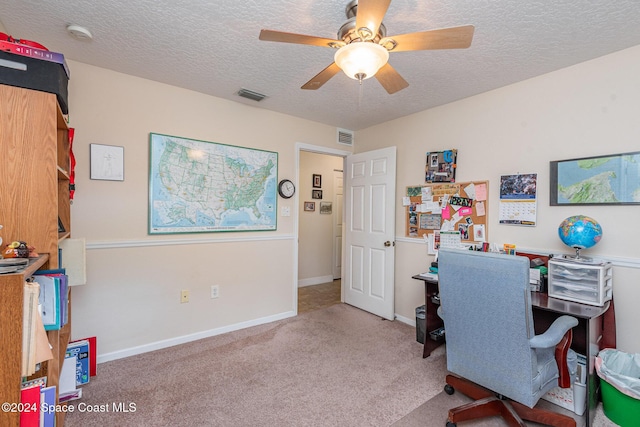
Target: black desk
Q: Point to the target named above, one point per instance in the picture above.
(432, 320)
(595, 330)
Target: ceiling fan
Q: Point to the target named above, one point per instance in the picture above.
(363, 45)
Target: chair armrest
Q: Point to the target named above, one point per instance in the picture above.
(552, 336)
(559, 335)
(564, 377)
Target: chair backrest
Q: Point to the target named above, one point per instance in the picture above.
(486, 304)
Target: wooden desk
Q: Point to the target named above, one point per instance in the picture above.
(595, 331)
(433, 321)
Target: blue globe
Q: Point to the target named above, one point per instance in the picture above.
(580, 232)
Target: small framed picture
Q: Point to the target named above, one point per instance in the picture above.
(325, 207)
(434, 160)
(317, 181)
(107, 162)
(309, 206)
(316, 194)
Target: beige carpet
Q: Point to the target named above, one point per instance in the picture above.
(337, 366)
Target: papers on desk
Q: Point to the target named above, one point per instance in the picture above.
(429, 276)
(535, 280)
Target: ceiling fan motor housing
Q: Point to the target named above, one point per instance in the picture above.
(349, 33)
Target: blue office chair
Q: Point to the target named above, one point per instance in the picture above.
(492, 349)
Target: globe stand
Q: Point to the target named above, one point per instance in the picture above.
(577, 253)
(578, 258)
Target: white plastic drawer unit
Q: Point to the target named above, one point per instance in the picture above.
(580, 282)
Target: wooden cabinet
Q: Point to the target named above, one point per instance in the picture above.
(34, 199)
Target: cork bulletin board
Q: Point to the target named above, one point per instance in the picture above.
(459, 206)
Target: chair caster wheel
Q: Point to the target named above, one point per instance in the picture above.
(450, 424)
(449, 390)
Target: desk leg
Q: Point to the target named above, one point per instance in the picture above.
(432, 320)
(429, 346)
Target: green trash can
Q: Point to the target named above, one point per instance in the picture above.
(620, 385)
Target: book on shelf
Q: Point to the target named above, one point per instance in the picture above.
(49, 301)
(47, 409)
(93, 354)
(54, 298)
(35, 343)
(67, 381)
(80, 350)
(29, 324)
(30, 405)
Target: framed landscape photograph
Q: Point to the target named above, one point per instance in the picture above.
(601, 180)
(326, 207)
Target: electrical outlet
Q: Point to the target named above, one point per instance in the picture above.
(184, 296)
(215, 291)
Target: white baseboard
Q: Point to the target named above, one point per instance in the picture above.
(191, 337)
(315, 281)
(410, 322)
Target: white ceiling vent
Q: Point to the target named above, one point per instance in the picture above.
(345, 137)
(249, 94)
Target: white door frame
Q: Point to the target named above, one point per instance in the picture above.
(338, 224)
(300, 146)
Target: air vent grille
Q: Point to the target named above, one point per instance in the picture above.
(345, 137)
(249, 94)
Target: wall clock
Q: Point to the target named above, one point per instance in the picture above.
(286, 189)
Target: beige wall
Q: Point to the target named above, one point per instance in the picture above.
(315, 242)
(588, 109)
(131, 301)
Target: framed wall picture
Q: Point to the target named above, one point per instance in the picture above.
(601, 180)
(189, 193)
(441, 166)
(107, 162)
(325, 207)
(317, 181)
(309, 206)
(316, 194)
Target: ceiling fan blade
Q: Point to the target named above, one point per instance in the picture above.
(279, 36)
(446, 38)
(390, 79)
(322, 77)
(370, 14)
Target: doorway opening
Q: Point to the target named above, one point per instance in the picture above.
(319, 296)
(319, 227)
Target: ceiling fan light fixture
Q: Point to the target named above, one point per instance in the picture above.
(361, 60)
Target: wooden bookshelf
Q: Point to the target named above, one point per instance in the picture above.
(34, 193)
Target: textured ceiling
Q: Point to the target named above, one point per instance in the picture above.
(212, 47)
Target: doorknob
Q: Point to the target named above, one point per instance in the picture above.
(388, 243)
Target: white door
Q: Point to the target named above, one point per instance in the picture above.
(369, 233)
(338, 179)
